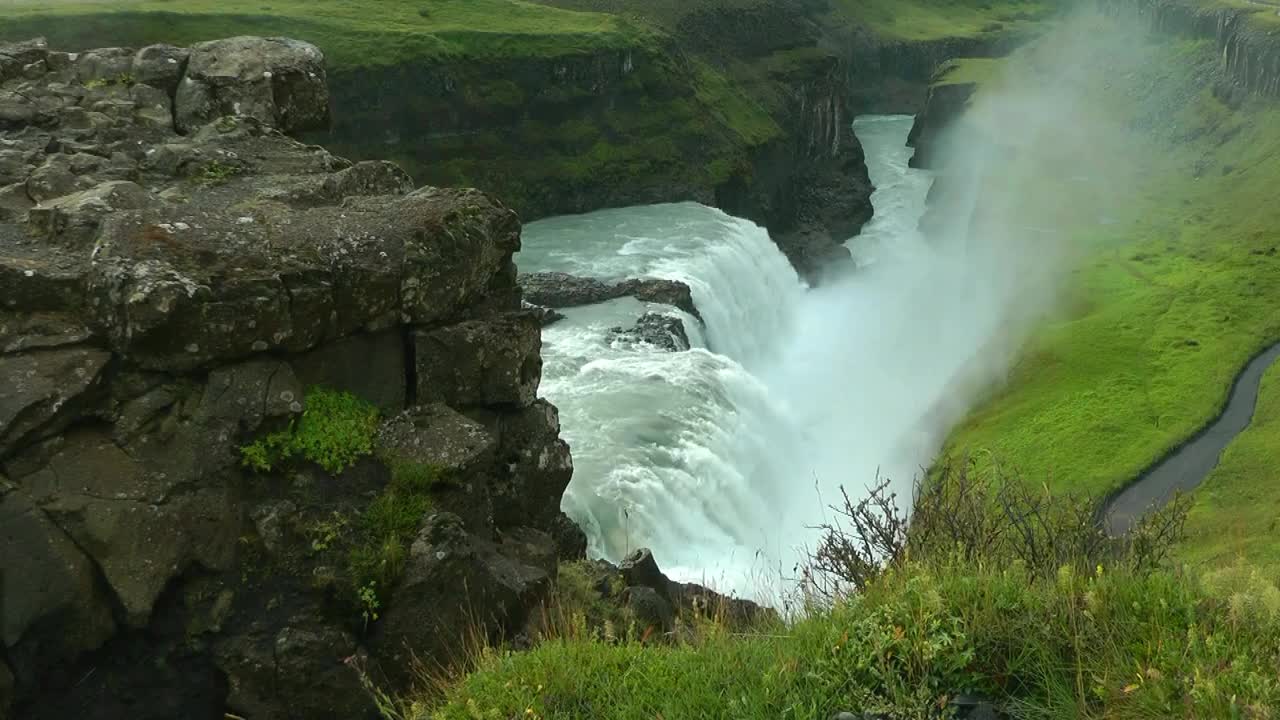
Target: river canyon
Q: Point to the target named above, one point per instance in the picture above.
(722, 459)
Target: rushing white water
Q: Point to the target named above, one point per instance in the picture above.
(721, 459)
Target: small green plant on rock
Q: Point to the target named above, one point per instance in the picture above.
(226, 124)
(369, 603)
(387, 527)
(334, 432)
(217, 172)
(121, 80)
(325, 533)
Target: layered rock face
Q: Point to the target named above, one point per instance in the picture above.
(944, 105)
(180, 280)
(582, 131)
(1248, 50)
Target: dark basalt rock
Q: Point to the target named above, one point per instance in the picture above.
(640, 569)
(661, 331)
(167, 299)
(275, 80)
(504, 581)
(561, 290)
(944, 105)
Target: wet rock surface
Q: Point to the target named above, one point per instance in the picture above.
(945, 104)
(660, 606)
(661, 331)
(562, 290)
(178, 277)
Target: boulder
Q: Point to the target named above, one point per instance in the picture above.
(111, 65)
(546, 316)
(74, 219)
(560, 290)
(15, 165)
(456, 451)
(40, 391)
(55, 178)
(362, 179)
(655, 290)
(652, 612)
(143, 523)
(277, 81)
(33, 280)
(534, 468)
(15, 57)
(471, 585)
(814, 253)
(160, 66)
(640, 569)
(14, 203)
(661, 331)
(51, 608)
(303, 670)
(152, 106)
(495, 361)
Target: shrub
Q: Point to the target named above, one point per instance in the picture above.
(987, 518)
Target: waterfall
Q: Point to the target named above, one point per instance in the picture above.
(722, 459)
(672, 451)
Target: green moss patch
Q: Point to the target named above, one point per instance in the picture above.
(335, 431)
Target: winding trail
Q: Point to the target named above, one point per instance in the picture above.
(1188, 466)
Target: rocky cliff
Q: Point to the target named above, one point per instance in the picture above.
(647, 124)
(894, 76)
(1244, 35)
(268, 418)
(557, 134)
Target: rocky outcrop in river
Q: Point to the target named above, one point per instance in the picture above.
(268, 418)
(562, 290)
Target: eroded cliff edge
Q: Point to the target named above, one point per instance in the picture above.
(168, 300)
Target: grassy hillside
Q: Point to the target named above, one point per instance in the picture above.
(352, 34)
(1107, 644)
(934, 19)
(1170, 297)
(1237, 511)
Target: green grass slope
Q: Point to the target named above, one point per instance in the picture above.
(1169, 299)
(936, 19)
(1236, 515)
(352, 33)
(1104, 645)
